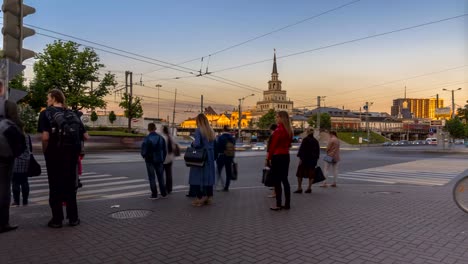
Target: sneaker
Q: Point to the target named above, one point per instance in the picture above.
(7, 228)
(164, 197)
(15, 205)
(74, 223)
(51, 224)
(152, 197)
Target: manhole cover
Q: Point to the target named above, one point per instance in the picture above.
(129, 214)
(383, 192)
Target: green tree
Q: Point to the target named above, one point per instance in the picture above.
(29, 118)
(93, 117)
(462, 113)
(64, 66)
(136, 108)
(455, 127)
(112, 117)
(325, 121)
(18, 83)
(267, 119)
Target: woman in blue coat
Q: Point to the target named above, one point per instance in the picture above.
(202, 179)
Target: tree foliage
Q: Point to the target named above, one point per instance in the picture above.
(94, 116)
(267, 119)
(112, 117)
(29, 118)
(455, 127)
(18, 83)
(136, 108)
(325, 121)
(65, 66)
(462, 113)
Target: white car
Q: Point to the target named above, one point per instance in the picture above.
(259, 146)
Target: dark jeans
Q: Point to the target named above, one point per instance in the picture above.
(157, 167)
(280, 168)
(61, 171)
(6, 171)
(224, 161)
(202, 191)
(20, 184)
(168, 172)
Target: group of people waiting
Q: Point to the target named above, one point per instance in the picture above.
(62, 134)
(220, 154)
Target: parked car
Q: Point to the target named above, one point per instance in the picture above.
(386, 144)
(241, 146)
(259, 146)
(459, 141)
(431, 141)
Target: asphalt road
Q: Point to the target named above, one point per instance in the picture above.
(119, 175)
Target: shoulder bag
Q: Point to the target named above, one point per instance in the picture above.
(195, 157)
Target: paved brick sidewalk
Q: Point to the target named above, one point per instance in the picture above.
(344, 225)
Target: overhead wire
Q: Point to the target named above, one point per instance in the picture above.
(268, 33)
(343, 43)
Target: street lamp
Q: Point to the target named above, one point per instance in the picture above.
(158, 86)
(240, 115)
(453, 99)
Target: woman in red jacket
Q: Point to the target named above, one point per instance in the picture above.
(278, 158)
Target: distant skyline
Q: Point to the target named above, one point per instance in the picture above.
(424, 59)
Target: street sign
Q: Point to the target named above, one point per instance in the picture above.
(432, 130)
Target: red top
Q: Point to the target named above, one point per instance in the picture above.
(280, 142)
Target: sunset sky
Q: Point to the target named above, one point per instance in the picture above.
(425, 59)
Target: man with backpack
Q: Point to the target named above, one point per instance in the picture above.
(225, 147)
(62, 133)
(12, 144)
(153, 150)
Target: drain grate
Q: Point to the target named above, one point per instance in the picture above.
(129, 214)
(383, 192)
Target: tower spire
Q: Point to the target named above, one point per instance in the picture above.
(275, 70)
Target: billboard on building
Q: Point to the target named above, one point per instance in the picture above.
(443, 112)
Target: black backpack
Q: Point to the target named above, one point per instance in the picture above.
(66, 128)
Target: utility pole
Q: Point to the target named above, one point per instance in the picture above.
(342, 119)
(453, 99)
(129, 84)
(318, 113)
(239, 121)
(173, 113)
(201, 104)
(158, 86)
(366, 107)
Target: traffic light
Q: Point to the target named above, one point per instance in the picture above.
(14, 32)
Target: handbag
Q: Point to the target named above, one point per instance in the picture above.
(328, 159)
(195, 157)
(34, 168)
(267, 178)
(319, 177)
(234, 171)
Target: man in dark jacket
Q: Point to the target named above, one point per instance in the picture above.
(8, 110)
(153, 150)
(225, 149)
(308, 153)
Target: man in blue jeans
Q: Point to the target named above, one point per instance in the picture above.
(153, 150)
(225, 148)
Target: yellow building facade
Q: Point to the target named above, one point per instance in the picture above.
(221, 120)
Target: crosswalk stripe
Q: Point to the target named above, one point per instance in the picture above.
(87, 181)
(81, 177)
(42, 198)
(390, 180)
(397, 178)
(92, 185)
